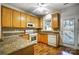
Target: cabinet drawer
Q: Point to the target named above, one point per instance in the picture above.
(52, 40)
(52, 35)
(52, 44)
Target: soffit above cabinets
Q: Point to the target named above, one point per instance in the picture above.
(47, 7)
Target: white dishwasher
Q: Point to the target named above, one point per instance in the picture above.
(52, 40)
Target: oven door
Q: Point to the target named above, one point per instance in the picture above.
(33, 38)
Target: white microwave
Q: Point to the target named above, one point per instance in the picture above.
(30, 25)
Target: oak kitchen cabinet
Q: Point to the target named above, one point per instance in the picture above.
(36, 22)
(23, 20)
(28, 18)
(33, 20)
(55, 21)
(41, 22)
(43, 38)
(6, 17)
(16, 19)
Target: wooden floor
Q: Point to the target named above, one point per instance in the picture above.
(43, 49)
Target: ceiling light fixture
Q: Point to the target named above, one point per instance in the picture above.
(41, 4)
(41, 9)
(66, 3)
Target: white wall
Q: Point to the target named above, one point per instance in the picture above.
(72, 11)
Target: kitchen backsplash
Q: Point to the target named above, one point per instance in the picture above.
(11, 31)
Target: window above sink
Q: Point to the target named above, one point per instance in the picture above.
(47, 23)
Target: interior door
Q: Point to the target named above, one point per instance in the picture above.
(68, 31)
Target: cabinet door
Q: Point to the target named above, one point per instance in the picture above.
(55, 21)
(16, 19)
(37, 22)
(41, 22)
(6, 17)
(28, 18)
(43, 38)
(23, 20)
(32, 19)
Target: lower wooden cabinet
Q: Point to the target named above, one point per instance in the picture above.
(50, 39)
(43, 38)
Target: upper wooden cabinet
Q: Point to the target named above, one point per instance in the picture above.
(28, 18)
(41, 22)
(36, 22)
(6, 17)
(56, 21)
(16, 19)
(32, 19)
(23, 20)
(43, 38)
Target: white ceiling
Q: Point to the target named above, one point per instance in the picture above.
(30, 7)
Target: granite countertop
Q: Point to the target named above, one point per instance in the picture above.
(12, 44)
(49, 32)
